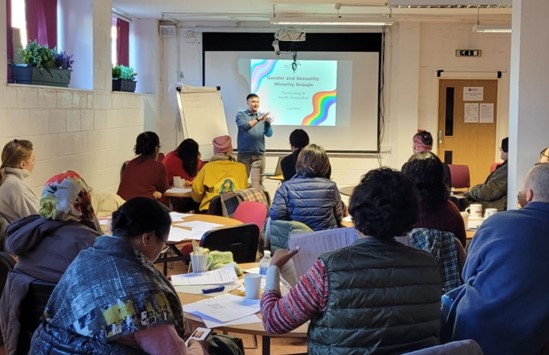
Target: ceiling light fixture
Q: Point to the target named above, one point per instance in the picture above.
(492, 28)
(328, 21)
(478, 28)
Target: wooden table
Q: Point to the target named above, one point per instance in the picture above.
(175, 246)
(176, 193)
(347, 190)
(253, 328)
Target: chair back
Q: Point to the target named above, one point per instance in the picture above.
(251, 212)
(241, 240)
(215, 206)
(32, 310)
(460, 178)
(3, 231)
(443, 246)
(7, 263)
(494, 166)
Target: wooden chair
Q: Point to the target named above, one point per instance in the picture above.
(241, 240)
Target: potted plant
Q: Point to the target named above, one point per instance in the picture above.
(39, 65)
(123, 78)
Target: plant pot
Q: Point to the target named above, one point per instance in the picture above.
(36, 76)
(123, 85)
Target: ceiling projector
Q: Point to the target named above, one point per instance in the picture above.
(290, 35)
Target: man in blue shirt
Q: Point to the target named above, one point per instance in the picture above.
(253, 126)
(502, 304)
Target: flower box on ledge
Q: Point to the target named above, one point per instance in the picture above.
(123, 85)
(23, 74)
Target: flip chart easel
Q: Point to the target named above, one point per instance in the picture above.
(202, 116)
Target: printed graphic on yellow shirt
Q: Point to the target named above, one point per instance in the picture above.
(227, 185)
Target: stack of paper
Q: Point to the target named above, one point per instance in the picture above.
(225, 310)
(311, 245)
(220, 276)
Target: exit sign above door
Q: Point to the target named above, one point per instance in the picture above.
(468, 52)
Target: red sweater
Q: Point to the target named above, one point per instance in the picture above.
(445, 218)
(142, 177)
(174, 167)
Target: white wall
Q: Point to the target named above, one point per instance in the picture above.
(89, 131)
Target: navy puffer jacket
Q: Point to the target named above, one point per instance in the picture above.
(313, 201)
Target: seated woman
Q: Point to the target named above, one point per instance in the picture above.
(46, 244)
(144, 176)
(309, 197)
(184, 162)
(221, 174)
(436, 211)
(375, 296)
(16, 198)
(112, 299)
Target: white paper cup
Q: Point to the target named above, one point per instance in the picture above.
(475, 210)
(252, 284)
(199, 262)
(490, 212)
(178, 181)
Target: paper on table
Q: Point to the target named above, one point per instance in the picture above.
(212, 323)
(178, 217)
(200, 225)
(253, 270)
(474, 223)
(224, 308)
(311, 245)
(224, 275)
(178, 234)
(179, 190)
(197, 289)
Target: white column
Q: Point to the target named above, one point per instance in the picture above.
(404, 103)
(529, 87)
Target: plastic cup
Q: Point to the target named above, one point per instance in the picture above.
(252, 284)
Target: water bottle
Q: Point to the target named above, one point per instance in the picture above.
(265, 262)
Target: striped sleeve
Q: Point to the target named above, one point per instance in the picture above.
(303, 302)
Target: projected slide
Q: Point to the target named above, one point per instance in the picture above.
(304, 97)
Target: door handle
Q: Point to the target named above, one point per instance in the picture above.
(439, 136)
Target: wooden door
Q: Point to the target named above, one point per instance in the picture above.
(467, 124)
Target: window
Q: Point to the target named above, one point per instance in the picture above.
(63, 24)
(120, 36)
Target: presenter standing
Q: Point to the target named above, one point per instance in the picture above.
(253, 126)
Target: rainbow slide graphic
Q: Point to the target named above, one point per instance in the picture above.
(322, 101)
(260, 71)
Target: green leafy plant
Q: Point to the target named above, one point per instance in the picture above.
(43, 57)
(123, 72)
(37, 55)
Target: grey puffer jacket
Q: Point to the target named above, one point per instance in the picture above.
(313, 201)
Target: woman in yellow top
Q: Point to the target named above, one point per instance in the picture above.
(221, 174)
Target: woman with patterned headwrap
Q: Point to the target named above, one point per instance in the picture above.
(112, 299)
(45, 244)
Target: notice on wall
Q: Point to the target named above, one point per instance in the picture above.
(473, 93)
(470, 113)
(487, 113)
